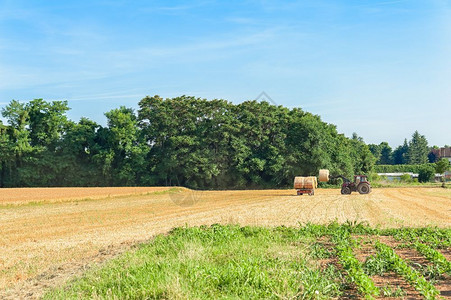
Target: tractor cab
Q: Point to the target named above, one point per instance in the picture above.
(360, 178)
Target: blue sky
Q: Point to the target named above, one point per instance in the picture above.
(379, 68)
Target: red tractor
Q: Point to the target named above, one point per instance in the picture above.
(360, 184)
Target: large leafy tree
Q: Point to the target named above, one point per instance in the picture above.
(47, 122)
(199, 143)
(125, 152)
(363, 159)
(6, 153)
(16, 146)
(76, 156)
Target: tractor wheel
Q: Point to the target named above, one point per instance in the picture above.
(346, 190)
(364, 188)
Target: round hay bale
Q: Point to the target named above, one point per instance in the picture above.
(305, 182)
(323, 175)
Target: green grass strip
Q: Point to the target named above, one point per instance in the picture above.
(398, 265)
(217, 262)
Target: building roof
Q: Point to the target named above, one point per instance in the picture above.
(442, 152)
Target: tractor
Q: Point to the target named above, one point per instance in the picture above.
(360, 184)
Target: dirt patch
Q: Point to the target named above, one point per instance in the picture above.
(388, 240)
(444, 286)
(365, 248)
(413, 257)
(34, 288)
(394, 281)
(446, 253)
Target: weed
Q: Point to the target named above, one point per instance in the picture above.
(388, 291)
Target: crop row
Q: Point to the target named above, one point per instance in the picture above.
(344, 250)
(397, 264)
(435, 257)
(386, 259)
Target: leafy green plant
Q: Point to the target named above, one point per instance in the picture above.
(318, 251)
(442, 165)
(406, 178)
(375, 265)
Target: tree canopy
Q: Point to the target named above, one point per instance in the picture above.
(183, 141)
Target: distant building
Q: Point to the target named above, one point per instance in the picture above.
(444, 152)
(397, 176)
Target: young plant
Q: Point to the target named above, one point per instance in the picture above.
(388, 291)
(398, 265)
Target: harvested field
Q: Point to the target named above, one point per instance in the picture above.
(33, 195)
(46, 238)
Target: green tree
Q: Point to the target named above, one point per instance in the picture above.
(426, 173)
(6, 153)
(382, 152)
(442, 165)
(177, 141)
(400, 153)
(418, 149)
(16, 146)
(361, 155)
(126, 151)
(375, 150)
(76, 156)
(386, 157)
(47, 122)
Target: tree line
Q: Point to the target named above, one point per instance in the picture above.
(184, 141)
(413, 152)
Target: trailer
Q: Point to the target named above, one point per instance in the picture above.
(310, 192)
(305, 185)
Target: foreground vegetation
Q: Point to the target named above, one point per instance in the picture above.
(309, 262)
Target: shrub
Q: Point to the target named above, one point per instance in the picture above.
(375, 177)
(406, 178)
(426, 173)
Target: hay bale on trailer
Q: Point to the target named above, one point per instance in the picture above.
(305, 182)
(323, 175)
(305, 185)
